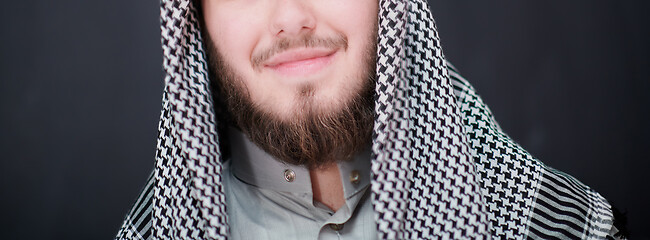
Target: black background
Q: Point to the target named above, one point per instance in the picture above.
(81, 84)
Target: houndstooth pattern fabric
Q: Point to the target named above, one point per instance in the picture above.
(525, 198)
(390, 160)
(441, 169)
(509, 174)
(424, 184)
(188, 198)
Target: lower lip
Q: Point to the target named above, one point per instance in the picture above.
(303, 67)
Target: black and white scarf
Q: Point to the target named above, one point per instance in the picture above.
(441, 166)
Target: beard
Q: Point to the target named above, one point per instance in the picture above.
(311, 136)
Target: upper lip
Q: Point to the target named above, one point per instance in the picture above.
(296, 55)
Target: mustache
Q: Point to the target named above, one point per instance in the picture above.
(305, 40)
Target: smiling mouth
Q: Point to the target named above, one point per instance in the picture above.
(300, 62)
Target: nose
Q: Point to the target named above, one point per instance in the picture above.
(291, 17)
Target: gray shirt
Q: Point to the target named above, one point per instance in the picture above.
(268, 199)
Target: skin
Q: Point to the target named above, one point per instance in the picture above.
(287, 81)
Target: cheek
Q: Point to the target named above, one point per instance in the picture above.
(357, 17)
(233, 43)
(232, 34)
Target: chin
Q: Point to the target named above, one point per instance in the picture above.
(303, 107)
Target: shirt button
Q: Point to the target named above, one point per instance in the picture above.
(336, 227)
(289, 175)
(355, 177)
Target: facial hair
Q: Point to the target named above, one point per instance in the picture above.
(311, 137)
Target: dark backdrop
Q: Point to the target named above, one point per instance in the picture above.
(81, 84)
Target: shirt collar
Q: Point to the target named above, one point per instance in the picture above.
(254, 166)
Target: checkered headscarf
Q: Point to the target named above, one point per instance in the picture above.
(441, 166)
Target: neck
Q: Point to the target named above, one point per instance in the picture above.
(327, 187)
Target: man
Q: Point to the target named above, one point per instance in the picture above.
(337, 119)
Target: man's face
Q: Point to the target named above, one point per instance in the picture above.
(296, 76)
(295, 57)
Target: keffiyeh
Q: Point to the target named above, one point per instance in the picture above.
(441, 166)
